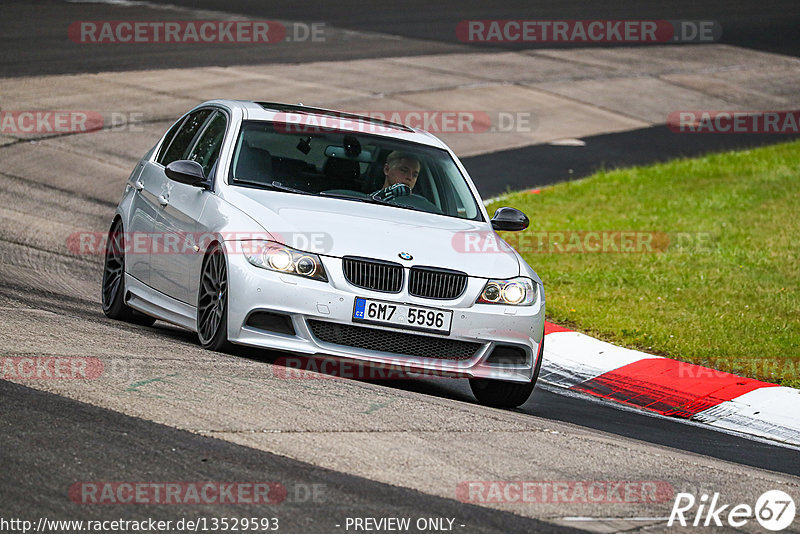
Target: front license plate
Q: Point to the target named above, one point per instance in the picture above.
(402, 315)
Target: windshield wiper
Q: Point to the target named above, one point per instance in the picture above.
(367, 199)
(344, 196)
(274, 185)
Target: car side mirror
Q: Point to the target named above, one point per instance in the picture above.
(509, 219)
(187, 172)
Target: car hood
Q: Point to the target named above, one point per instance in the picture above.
(336, 227)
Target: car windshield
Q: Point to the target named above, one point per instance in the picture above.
(352, 167)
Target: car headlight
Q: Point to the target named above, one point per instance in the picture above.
(514, 292)
(276, 257)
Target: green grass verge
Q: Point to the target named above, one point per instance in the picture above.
(721, 285)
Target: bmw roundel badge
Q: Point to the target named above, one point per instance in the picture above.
(406, 256)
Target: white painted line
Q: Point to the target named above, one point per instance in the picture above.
(568, 142)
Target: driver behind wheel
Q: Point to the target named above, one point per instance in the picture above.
(400, 168)
(401, 172)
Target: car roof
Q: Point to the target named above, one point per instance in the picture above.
(325, 118)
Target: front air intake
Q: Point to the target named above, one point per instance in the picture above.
(508, 355)
(271, 322)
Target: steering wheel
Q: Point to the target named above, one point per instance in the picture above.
(417, 202)
(392, 192)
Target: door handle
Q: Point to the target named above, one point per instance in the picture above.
(138, 185)
(163, 200)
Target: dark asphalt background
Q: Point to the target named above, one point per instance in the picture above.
(33, 40)
(538, 165)
(33, 34)
(768, 26)
(48, 443)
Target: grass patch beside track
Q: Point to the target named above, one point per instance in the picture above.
(715, 279)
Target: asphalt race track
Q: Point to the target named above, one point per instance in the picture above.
(169, 454)
(545, 164)
(165, 410)
(33, 31)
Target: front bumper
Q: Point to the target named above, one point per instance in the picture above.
(252, 289)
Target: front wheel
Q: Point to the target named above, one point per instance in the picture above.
(113, 289)
(500, 394)
(212, 302)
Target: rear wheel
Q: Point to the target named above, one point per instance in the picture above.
(501, 394)
(212, 302)
(113, 289)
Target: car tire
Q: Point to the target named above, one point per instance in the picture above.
(113, 286)
(212, 301)
(502, 394)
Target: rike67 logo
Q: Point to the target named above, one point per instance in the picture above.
(774, 510)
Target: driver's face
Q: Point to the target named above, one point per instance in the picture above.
(403, 171)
